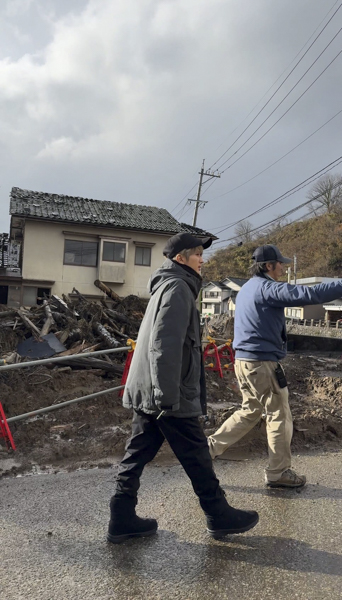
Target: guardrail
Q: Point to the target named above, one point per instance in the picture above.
(44, 361)
(315, 322)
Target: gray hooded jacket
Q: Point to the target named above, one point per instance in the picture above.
(165, 371)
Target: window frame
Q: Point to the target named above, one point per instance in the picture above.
(117, 243)
(73, 264)
(142, 247)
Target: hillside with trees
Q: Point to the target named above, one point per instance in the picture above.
(316, 241)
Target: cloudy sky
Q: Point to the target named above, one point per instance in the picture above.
(122, 100)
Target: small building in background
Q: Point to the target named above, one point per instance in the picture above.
(312, 311)
(219, 296)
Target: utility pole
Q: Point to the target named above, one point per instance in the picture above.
(289, 274)
(295, 268)
(198, 201)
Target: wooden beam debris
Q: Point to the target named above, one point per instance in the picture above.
(104, 288)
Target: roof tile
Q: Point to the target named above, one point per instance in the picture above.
(41, 205)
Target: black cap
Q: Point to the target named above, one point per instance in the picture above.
(269, 253)
(184, 241)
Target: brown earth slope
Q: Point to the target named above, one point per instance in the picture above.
(93, 432)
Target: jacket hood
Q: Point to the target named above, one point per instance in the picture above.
(172, 270)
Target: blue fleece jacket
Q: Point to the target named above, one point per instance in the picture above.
(259, 330)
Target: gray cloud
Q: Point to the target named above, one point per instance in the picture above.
(121, 101)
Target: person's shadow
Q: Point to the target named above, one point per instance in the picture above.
(309, 492)
(178, 556)
(166, 559)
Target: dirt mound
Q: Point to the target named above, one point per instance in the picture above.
(90, 432)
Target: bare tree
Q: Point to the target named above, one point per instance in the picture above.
(243, 231)
(326, 193)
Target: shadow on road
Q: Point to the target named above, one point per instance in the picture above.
(308, 492)
(212, 557)
(165, 557)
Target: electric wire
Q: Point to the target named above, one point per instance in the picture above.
(281, 74)
(288, 193)
(279, 87)
(184, 197)
(283, 115)
(291, 211)
(273, 111)
(278, 160)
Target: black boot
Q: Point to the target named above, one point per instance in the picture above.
(124, 523)
(223, 519)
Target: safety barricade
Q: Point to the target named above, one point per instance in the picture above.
(130, 353)
(5, 431)
(224, 352)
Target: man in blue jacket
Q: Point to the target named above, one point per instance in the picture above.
(260, 343)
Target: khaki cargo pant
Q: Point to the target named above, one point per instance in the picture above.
(261, 394)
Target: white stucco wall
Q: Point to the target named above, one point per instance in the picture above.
(43, 254)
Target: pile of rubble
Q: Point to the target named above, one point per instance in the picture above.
(61, 327)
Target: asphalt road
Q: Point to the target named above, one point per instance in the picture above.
(53, 537)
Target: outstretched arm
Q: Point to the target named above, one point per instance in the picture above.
(285, 294)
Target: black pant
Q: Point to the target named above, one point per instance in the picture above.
(188, 442)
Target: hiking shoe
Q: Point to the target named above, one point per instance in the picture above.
(289, 479)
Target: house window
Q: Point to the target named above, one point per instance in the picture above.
(80, 253)
(211, 294)
(33, 295)
(143, 256)
(114, 252)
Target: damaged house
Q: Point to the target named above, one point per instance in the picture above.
(58, 243)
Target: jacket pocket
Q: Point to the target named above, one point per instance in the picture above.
(191, 368)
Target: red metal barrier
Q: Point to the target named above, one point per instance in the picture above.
(129, 357)
(5, 430)
(219, 353)
(226, 353)
(212, 349)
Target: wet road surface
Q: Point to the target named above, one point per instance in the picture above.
(53, 527)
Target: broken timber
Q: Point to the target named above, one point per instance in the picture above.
(107, 291)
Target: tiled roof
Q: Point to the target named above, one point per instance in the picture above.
(55, 207)
(197, 230)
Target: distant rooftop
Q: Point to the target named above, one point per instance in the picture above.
(238, 280)
(58, 207)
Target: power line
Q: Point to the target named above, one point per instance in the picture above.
(281, 74)
(278, 160)
(283, 115)
(302, 217)
(264, 106)
(289, 192)
(284, 215)
(184, 198)
(291, 90)
(279, 87)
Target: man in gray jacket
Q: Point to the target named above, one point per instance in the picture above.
(166, 389)
(260, 343)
